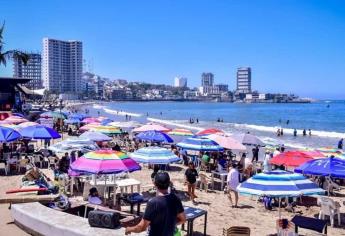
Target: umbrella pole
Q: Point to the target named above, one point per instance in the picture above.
(279, 210)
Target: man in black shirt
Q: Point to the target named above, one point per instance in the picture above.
(163, 212)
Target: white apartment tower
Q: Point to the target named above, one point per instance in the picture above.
(62, 65)
(180, 82)
(244, 80)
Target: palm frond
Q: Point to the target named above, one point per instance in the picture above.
(14, 54)
(1, 32)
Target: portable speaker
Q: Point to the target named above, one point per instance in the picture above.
(104, 219)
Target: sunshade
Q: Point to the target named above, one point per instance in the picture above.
(90, 120)
(154, 136)
(104, 162)
(210, 131)
(127, 124)
(8, 134)
(15, 119)
(39, 132)
(108, 130)
(181, 132)
(329, 151)
(248, 139)
(54, 114)
(95, 136)
(199, 143)
(154, 155)
(106, 121)
(329, 166)
(279, 183)
(89, 126)
(68, 145)
(27, 124)
(226, 141)
(77, 116)
(295, 158)
(149, 127)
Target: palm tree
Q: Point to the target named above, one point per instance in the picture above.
(15, 54)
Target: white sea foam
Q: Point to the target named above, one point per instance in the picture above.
(97, 106)
(324, 134)
(120, 113)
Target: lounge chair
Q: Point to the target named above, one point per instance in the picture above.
(236, 231)
(330, 208)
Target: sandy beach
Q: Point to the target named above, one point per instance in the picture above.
(220, 214)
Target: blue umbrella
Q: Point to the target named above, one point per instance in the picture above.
(199, 143)
(154, 155)
(72, 121)
(39, 132)
(77, 116)
(95, 136)
(18, 114)
(279, 183)
(330, 166)
(8, 134)
(154, 136)
(106, 121)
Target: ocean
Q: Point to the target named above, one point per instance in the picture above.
(326, 119)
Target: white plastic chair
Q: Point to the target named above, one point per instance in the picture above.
(330, 208)
(51, 162)
(3, 166)
(37, 159)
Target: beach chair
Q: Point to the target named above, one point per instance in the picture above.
(236, 231)
(3, 166)
(329, 208)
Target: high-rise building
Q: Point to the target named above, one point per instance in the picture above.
(222, 87)
(32, 70)
(244, 80)
(180, 82)
(207, 79)
(62, 65)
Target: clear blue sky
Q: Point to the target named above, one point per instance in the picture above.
(292, 45)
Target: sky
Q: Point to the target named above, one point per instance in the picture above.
(292, 46)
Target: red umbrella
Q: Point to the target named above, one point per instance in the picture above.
(210, 131)
(295, 158)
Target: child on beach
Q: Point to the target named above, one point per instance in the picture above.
(190, 175)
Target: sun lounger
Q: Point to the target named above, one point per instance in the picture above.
(236, 231)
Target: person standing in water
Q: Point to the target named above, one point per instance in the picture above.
(340, 144)
(295, 132)
(309, 132)
(304, 132)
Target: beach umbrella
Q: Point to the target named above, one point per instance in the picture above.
(154, 155)
(154, 136)
(226, 141)
(295, 158)
(72, 121)
(39, 132)
(149, 127)
(68, 145)
(27, 124)
(104, 162)
(248, 139)
(127, 124)
(8, 134)
(89, 126)
(329, 166)
(95, 136)
(77, 116)
(329, 151)
(181, 132)
(209, 131)
(54, 114)
(18, 114)
(279, 183)
(12, 126)
(15, 119)
(199, 143)
(90, 120)
(106, 121)
(108, 130)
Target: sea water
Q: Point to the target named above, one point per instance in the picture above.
(326, 119)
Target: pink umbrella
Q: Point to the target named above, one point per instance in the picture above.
(90, 120)
(89, 126)
(210, 131)
(150, 127)
(15, 119)
(226, 141)
(27, 124)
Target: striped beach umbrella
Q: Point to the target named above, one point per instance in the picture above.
(127, 124)
(279, 183)
(149, 127)
(199, 143)
(154, 155)
(329, 151)
(108, 130)
(90, 120)
(104, 162)
(154, 136)
(181, 132)
(15, 119)
(210, 131)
